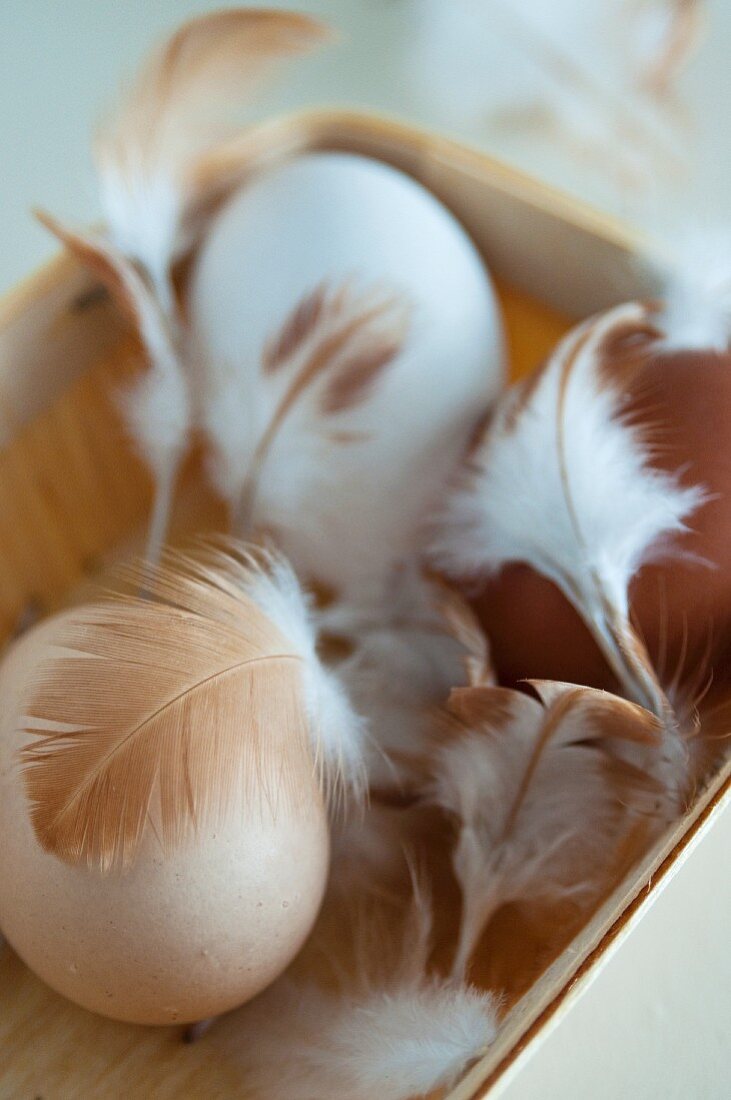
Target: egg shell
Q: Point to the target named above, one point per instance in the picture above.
(339, 217)
(680, 605)
(177, 938)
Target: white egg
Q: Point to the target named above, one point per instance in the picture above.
(180, 936)
(346, 495)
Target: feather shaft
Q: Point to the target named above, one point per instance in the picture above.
(157, 200)
(540, 798)
(335, 344)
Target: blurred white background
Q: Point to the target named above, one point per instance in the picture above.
(557, 87)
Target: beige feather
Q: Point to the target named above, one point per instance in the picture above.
(158, 407)
(172, 711)
(541, 800)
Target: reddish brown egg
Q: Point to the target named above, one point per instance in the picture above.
(681, 606)
(535, 633)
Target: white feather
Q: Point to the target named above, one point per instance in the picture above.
(562, 482)
(395, 446)
(305, 1044)
(540, 803)
(696, 292)
(395, 1037)
(270, 450)
(182, 105)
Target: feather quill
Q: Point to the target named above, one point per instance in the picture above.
(399, 1034)
(540, 801)
(226, 635)
(562, 482)
(157, 197)
(322, 363)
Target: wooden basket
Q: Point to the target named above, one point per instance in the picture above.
(73, 492)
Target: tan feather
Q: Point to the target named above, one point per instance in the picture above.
(541, 799)
(465, 628)
(159, 406)
(170, 712)
(157, 198)
(684, 24)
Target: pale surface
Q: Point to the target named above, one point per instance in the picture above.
(655, 1025)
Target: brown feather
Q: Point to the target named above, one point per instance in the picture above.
(340, 339)
(465, 628)
(176, 710)
(352, 383)
(346, 337)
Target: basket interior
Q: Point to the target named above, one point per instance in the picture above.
(74, 495)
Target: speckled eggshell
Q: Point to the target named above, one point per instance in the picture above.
(177, 938)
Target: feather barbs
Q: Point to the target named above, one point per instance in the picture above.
(149, 154)
(190, 704)
(562, 482)
(158, 197)
(323, 362)
(540, 798)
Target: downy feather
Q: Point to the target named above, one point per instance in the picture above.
(340, 736)
(562, 482)
(154, 190)
(397, 1034)
(402, 661)
(224, 636)
(158, 406)
(540, 800)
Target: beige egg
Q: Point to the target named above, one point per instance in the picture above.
(178, 936)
